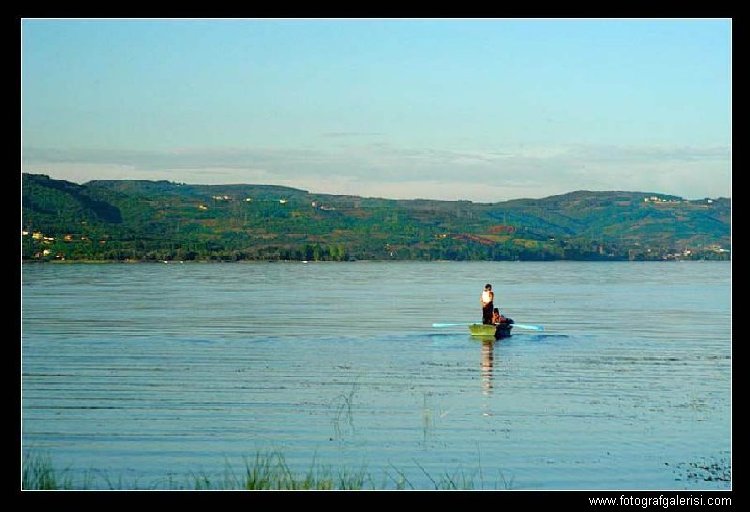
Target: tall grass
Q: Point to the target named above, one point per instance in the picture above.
(38, 473)
(266, 471)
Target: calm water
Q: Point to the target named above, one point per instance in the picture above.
(145, 371)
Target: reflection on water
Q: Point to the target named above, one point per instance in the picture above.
(488, 356)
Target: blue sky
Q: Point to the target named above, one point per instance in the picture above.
(484, 110)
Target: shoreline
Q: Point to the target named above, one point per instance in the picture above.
(269, 470)
(305, 262)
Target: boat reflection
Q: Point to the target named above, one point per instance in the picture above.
(486, 366)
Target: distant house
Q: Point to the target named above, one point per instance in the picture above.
(25, 233)
(68, 238)
(37, 235)
(202, 207)
(248, 199)
(46, 252)
(282, 201)
(657, 199)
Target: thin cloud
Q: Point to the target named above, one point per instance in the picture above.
(485, 175)
(352, 134)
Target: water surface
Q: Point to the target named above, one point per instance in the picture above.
(142, 371)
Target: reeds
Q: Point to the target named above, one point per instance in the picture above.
(266, 471)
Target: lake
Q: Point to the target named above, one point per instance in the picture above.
(146, 372)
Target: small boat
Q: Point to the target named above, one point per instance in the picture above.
(490, 330)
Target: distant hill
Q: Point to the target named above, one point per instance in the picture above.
(161, 220)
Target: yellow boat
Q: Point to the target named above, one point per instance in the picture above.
(486, 330)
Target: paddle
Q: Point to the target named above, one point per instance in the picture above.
(520, 326)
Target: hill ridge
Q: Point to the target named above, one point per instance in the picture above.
(148, 220)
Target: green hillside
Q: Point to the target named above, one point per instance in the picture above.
(159, 220)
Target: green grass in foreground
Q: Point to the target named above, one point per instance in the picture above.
(268, 471)
(38, 473)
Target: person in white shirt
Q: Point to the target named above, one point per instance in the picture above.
(487, 298)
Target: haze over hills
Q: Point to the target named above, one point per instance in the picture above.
(141, 220)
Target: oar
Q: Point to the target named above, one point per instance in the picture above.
(520, 326)
(531, 327)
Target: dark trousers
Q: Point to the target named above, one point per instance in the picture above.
(487, 313)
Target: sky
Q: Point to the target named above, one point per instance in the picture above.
(482, 110)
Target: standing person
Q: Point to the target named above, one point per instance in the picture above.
(487, 305)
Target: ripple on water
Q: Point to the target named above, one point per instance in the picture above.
(150, 370)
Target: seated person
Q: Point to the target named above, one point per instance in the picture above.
(497, 318)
